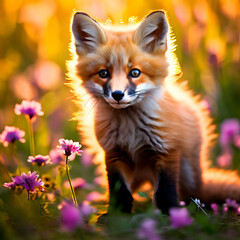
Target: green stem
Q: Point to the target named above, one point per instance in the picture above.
(13, 197)
(61, 174)
(19, 165)
(39, 171)
(31, 138)
(70, 183)
(5, 167)
(11, 147)
(18, 159)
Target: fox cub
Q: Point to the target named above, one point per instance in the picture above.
(150, 127)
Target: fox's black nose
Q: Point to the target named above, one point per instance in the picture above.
(117, 95)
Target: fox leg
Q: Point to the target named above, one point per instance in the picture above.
(190, 179)
(166, 186)
(166, 195)
(120, 198)
(162, 170)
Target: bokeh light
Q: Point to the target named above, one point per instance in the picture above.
(34, 47)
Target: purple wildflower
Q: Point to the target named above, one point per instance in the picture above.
(10, 135)
(56, 157)
(232, 203)
(229, 131)
(73, 217)
(69, 147)
(18, 180)
(14, 186)
(148, 230)
(28, 181)
(70, 217)
(180, 217)
(86, 210)
(40, 160)
(29, 108)
(214, 207)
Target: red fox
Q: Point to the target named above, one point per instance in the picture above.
(150, 127)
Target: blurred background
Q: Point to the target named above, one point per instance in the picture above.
(34, 40)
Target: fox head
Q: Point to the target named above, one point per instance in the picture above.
(121, 65)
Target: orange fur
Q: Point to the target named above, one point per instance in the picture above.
(180, 119)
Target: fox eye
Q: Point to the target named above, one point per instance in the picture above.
(104, 74)
(134, 73)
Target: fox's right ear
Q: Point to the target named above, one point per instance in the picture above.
(87, 33)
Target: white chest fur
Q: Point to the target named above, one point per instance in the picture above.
(131, 128)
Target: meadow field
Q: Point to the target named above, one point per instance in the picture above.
(36, 200)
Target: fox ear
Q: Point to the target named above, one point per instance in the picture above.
(87, 33)
(151, 35)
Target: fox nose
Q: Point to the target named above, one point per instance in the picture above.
(117, 95)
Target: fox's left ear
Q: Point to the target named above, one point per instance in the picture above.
(151, 35)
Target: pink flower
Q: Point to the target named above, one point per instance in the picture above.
(47, 75)
(69, 147)
(225, 159)
(214, 207)
(40, 160)
(77, 183)
(238, 210)
(182, 203)
(237, 141)
(147, 230)
(100, 180)
(87, 159)
(180, 217)
(229, 135)
(28, 181)
(10, 185)
(225, 208)
(10, 135)
(95, 196)
(29, 108)
(206, 105)
(229, 131)
(56, 157)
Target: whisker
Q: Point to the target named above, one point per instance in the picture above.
(153, 97)
(145, 91)
(86, 94)
(72, 97)
(94, 90)
(93, 106)
(87, 101)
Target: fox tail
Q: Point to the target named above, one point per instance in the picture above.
(218, 185)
